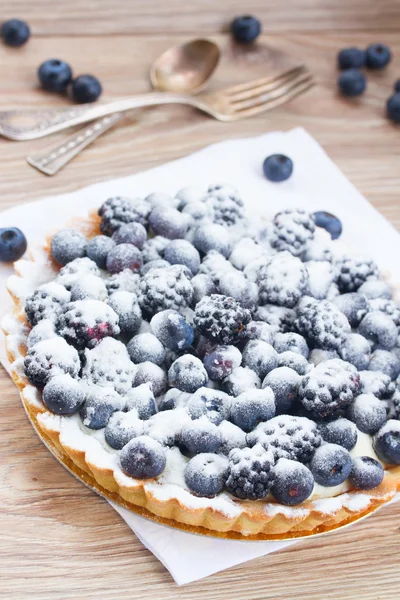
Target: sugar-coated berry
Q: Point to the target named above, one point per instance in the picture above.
(367, 473)
(377, 56)
(86, 88)
(205, 474)
(214, 404)
(368, 413)
(126, 306)
(250, 472)
(387, 442)
(240, 380)
(99, 405)
(376, 288)
(245, 29)
(49, 358)
(122, 428)
(352, 83)
(293, 482)
(67, 245)
(172, 329)
(130, 233)
(328, 221)
(212, 237)
(13, 244)
(284, 382)
(292, 342)
(222, 361)
(259, 330)
(15, 32)
(340, 431)
(141, 399)
(385, 362)
(55, 75)
(354, 305)
(148, 372)
(379, 329)
(252, 407)
(146, 347)
(98, 249)
(63, 395)
(396, 86)
(351, 58)
(174, 398)
(393, 108)
(159, 199)
(331, 464)
(90, 287)
(260, 356)
(200, 436)
(124, 256)
(44, 330)
(168, 222)
(182, 252)
(187, 373)
(278, 168)
(232, 437)
(203, 285)
(294, 361)
(234, 284)
(143, 458)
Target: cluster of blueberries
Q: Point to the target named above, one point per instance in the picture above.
(251, 350)
(352, 81)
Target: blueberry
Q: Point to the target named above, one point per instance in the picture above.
(100, 404)
(232, 437)
(259, 330)
(143, 458)
(318, 355)
(222, 361)
(148, 372)
(354, 305)
(187, 374)
(292, 342)
(240, 380)
(130, 233)
(12, 244)
(368, 413)
(188, 194)
(328, 221)
(126, 306)
(67, 245)
(331, 465)
(245, 29)
(124, 256)
(98, 249)
(212, 237)
(89, 287)
(377, 56)
(234, 284)
(203, 285)
(201, 436)
(159, 199)
(284, 382)
(340, 431)
(172, 329)
(141, 398)
(260, 356)
(387, 442)
(357, 351)
(205, 474)
(375, 288)
(351, 58)
(252, 407)
(158, 263)
(168, 222)
(293, 482)
(367, 473)
(63, 395)
(397, 86)
(385, 362)
(214, 404)
(86, 88)
(294, 361)
(182, 252)
(278, 167)
(146, 347)
(122, 427)
(379, 329)
(15, 32)
(55, 75)
(352, 83)
(393, 107)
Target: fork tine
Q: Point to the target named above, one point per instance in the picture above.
(258, 90)
(264, 96)
(249, 85)
(294, 91)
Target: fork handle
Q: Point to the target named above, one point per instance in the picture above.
(32, 124)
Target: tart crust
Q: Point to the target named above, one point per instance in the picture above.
(247, 520)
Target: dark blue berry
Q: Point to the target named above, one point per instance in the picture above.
(387, 442)
(148, 372)
(367, 473)
(205, 474)
(222, 361)
(55, 75)
(294, 361)
(379, 329)
(354, 305)
(122, 428)
(98, 249)
(141, 398)
(278, 167)
(212, 403)
(328, 221)
(182, 252)
(212, 237)
(168, 222)
(146, 347)
(12, 244)
(351, 58)
(201, 436)
(284, 382)
(100, 404)
(68, 244)
(377, 56)
(245, 29)
(352, 83)
(385, 362)
(158, 263)
(174, 398)
(126, 306)
(293, 482)
(252, 407)
(393, 107)
(340, 431)
(331, 465)
(130, 233)
(397, 86)
(143, 458)
(15, 32)
(260, 357)
(124, 256)
(187, 373)
(292, 342)
(63, 395)
(86, 88)
(172, 329)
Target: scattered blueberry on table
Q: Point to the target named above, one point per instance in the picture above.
(328, 221)
(397, 86)
(378, 56)
(15, 32)
(86, 88)
(245, 29)
(351, 58)
(55, 75)
(393, 108)
(12, 244)
(277, 167)
(352, 83)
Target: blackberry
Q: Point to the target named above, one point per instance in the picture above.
(250, 472)
(49, 358)
(281, 319)
(283, 280)
(330, 387)
(46, 302)
(75, 270)
(221, 318)
(388, 307)
(293, 229)
(376, 383)
(226, 205)
(293, 483)
(117, 211)
(352, 272)
(125, 281)
(295, 438)
(108, 365)
(205, 474)
(85, 322)
(322, 324)
(161, 289)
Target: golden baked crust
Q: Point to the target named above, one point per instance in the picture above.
(249, 520)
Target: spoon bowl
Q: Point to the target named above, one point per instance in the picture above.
(186, 68)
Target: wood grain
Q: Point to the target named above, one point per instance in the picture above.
(58, 540)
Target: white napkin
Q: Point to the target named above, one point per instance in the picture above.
(316, 184)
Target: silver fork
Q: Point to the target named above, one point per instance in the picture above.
(231, 104)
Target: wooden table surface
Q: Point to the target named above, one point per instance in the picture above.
(58, 540)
